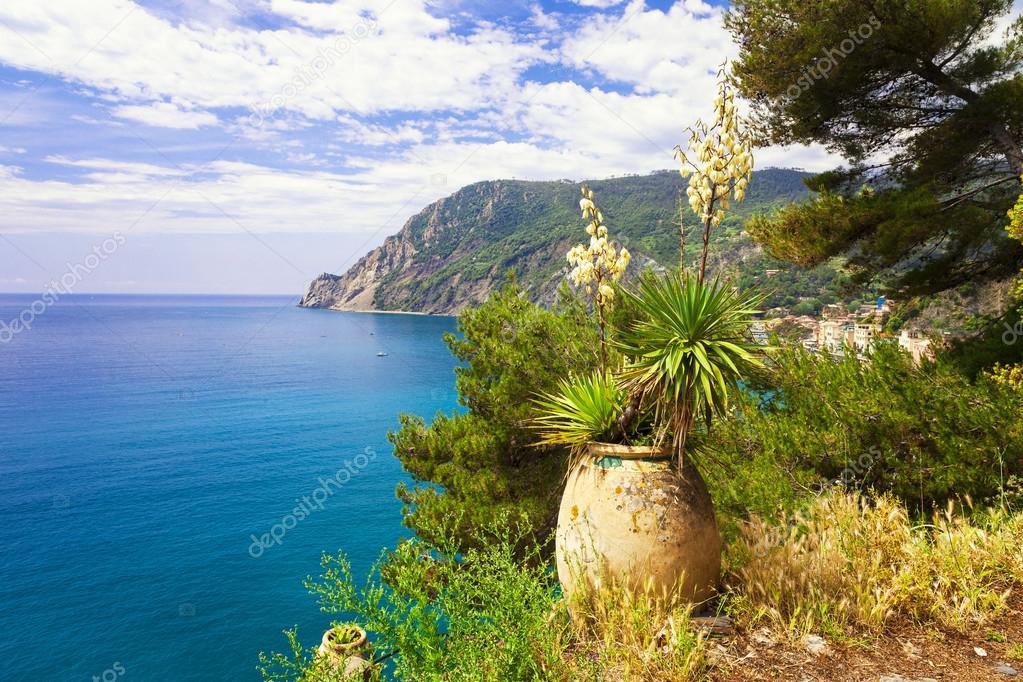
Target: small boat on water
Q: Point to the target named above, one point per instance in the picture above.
(381, 354)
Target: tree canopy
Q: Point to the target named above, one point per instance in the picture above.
(925, 101)
(482, 458)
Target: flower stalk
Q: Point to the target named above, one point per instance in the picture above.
(718, 163)
(597, 267)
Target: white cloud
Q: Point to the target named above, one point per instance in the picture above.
(260, 199)
(676, 51)
(165, 115)
(541, 19)
(399, 96)
(100, 164)
(627, 129)
(374, 56)
(602, 4)
(352, 130)
(407, 17)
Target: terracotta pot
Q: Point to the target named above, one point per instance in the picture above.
(355, 667)
(329, 646)
(628, 513)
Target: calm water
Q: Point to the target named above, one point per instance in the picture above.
(147, 439)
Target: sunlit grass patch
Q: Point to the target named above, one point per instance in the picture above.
(849, 565)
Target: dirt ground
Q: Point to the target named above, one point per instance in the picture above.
(906, 653)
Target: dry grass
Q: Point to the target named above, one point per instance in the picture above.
(846, 567)
(619, 634)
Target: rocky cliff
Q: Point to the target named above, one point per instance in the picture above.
(455, 251)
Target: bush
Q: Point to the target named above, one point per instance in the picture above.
(484, 615)
(492, 613)
(483, 459)
(925, 435)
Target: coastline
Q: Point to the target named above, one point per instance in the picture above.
(379, 312)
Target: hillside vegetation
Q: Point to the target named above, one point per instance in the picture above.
(453, 253)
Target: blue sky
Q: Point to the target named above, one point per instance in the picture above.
(248, 146)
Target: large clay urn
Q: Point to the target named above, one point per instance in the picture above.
(629, 513)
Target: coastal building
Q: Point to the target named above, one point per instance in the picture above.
(839, 333)
(916, 344)
(759, 333)
(833, 335)
(863, 336)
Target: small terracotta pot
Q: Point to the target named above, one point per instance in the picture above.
(630, 514)
(355, 666)
(328, 645)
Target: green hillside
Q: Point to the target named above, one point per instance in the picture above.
(458, 249)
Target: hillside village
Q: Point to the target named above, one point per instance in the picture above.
(838, 331)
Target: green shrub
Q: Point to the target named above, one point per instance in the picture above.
(483, 459)
(688, 351)
(486, 614)
(923, 434)
(493, 613)
(583, 410)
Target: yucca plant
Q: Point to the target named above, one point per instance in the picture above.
(583, 410)
(691, 343)
(687, 350)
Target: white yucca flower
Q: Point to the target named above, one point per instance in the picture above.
(600, 264)
(718, 161)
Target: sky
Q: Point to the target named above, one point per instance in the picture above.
(222, 146)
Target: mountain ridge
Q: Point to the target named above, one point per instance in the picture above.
(456, 250)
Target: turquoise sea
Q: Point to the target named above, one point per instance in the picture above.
(156, 453)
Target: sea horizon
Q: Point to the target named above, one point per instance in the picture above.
(75, 297)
